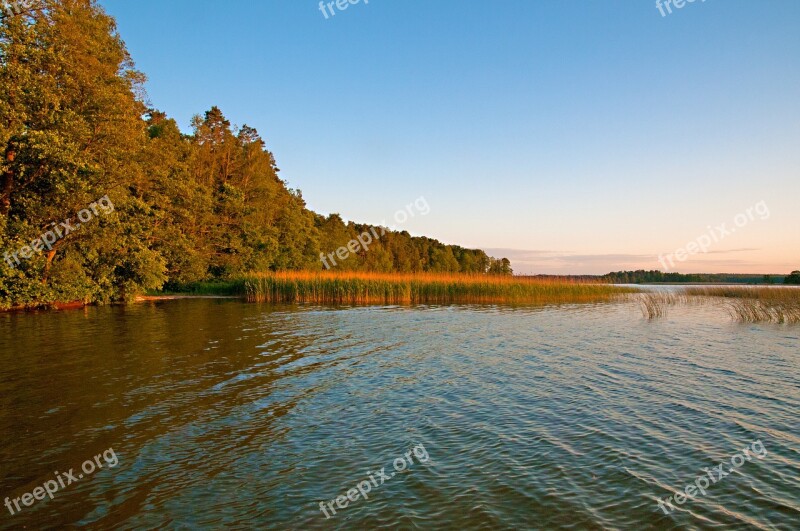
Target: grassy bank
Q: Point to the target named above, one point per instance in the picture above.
(429, 288)
(231, 288)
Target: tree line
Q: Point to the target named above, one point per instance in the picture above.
(654, 277)
(75, 126)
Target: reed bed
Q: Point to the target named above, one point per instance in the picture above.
(654, 304)
(428, 288)
(755, 305)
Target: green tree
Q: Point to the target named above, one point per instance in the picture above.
(74, 128)
(180, 208)
(70, 133)
(442, 260)
(500, 266)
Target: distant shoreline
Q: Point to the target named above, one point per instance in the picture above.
(710, 284)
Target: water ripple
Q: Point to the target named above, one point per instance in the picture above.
(232, 415)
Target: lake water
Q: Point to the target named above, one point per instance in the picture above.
(221, 414)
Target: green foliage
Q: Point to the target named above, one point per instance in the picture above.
(70, 130)
(500, 267)
(793, 278)
(188, 208)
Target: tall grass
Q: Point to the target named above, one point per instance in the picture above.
(654, 304)
(381, 288)
(755, 305)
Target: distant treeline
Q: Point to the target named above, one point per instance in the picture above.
(654, 277)
(658, 277)
(74, 127)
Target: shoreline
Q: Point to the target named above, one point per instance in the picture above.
(79, 305)
(155, 298)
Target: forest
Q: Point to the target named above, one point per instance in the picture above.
(76, 125)
(656, 277)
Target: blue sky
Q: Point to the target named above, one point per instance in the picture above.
(570, 136)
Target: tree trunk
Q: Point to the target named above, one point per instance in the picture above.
(7, 184)
(50, 255)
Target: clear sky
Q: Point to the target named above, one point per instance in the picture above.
(571, 136)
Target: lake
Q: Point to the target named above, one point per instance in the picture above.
(219, 414)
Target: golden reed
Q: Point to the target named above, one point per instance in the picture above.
(335, 287)
(755, 305)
